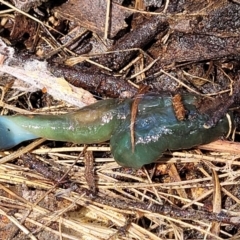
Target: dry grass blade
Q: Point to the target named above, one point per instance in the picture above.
(217, 202)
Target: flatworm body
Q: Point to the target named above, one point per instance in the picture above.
(156, 128)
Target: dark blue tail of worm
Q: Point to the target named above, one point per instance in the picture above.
(12, 134)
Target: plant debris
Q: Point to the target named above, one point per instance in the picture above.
(59, 55)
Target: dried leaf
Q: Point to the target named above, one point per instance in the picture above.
(92, 15)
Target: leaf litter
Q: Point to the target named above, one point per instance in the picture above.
(186, 194)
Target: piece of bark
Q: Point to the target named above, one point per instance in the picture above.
(136, 39)
(202, 33)
(192, 48)
(219, 19)
(95, 81)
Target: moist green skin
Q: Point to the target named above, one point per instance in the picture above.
(156, 128)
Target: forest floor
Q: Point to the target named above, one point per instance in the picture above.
(59, 57)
